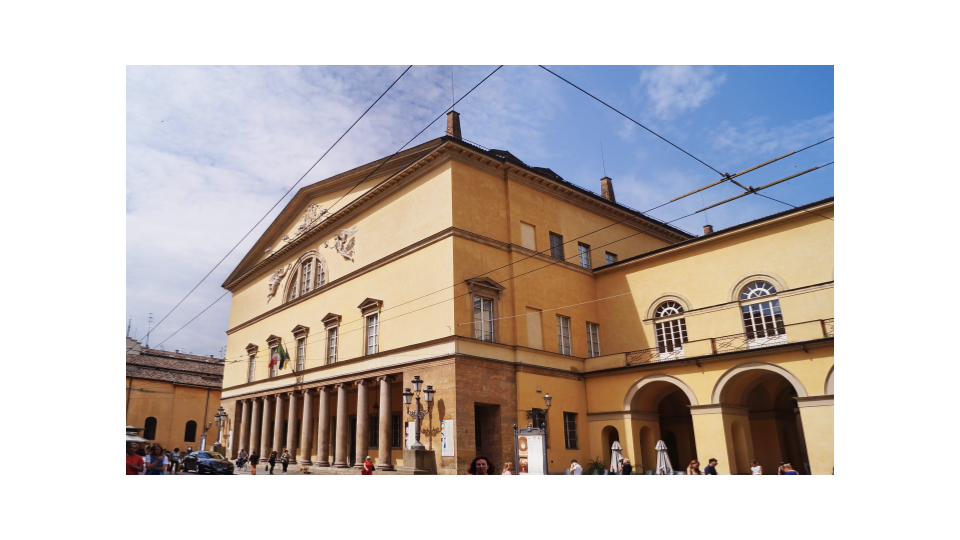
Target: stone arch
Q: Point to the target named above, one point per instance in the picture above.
(828, 385)
(666, 297)
(654, 378)
(774, 279)
(719, 390)
(295, 271)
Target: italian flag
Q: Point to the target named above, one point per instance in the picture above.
(279, 356)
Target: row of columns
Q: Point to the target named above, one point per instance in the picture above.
(256, 414)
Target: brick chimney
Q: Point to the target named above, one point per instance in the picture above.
(606, 189)
(453, 124)
(707, 229)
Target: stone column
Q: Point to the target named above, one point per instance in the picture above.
(278, 425)
(363, 422)
(265, 433)
(817, 431)
(306, 429)
(323, 436)
(292, 426)
(386, 424)
(255, 418)
(245, 426)
(343, 428)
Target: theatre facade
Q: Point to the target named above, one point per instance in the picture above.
(496, 283)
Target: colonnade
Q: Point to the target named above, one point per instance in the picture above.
(256, 414)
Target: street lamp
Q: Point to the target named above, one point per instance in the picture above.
(420, 413)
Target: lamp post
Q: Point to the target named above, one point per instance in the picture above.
(221, 418)
(546, 400)
(419, 413)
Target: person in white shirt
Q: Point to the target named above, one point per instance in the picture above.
(575, 467)
(755, 468)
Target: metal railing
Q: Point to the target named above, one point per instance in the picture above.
(650, 356)
(828, 327)
(750, 340)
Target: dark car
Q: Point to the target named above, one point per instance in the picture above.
(207, 462)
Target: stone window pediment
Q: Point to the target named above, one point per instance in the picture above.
(300, 331)
(273, 341)
(331, 319)
(252, 349)
(370, 305)
(484, 286)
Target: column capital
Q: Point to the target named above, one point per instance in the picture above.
(388, 378)
(291, 392)
(359, 382)
(341, 385)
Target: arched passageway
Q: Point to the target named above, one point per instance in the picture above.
(663, 407)
(772, 432)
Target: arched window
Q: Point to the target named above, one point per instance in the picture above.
(150, 429)
(761, 319)
(671, 333)
(190, 433)
(309, 274)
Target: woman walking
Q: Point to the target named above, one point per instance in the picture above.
(272, 460)
(480, 465)
(368, 467)
(254, 459)
(285, 460)
(175, 460)
(507, 468)
(156, 460)
(693, 468)
(787, 468)
(755, 468)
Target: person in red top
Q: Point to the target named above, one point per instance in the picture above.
(368, 467)
(134, 462)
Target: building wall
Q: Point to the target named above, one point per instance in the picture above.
(173, 406)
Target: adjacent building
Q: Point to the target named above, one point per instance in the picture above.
(496, 283)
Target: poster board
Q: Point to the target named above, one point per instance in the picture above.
(447, 437)
(409, 434)
(530, 452)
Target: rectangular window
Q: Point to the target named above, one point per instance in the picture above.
(301, 353)
(570, 430)
(763, 320)
(374, 431)
(253, 366)
(293, 288)
(397, 431)
(305, 287)
(321, 274)
(528, 236)
(556, 246)
(671, 335)
(273, 370)
(584, 251)
(483, 318)
(611, 258)
(332, 344)
(563, 334)
(593, 339)
(372, 323)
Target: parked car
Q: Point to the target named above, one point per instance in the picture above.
(207, 462)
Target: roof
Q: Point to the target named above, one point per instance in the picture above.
(177, 354)
(176, 377)
(175, 364)
(708, 237)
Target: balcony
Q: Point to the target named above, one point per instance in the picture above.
(828, 328)
(750, 340)
(649, 356)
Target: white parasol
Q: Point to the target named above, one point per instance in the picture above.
(615, 457)
(663, 460)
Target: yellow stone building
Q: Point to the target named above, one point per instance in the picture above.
(497, 282)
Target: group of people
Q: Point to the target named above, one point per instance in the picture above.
(755, 468)
(270, 462)
(153, 460)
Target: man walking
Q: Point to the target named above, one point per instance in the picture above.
(134, 461)
(711, 467)
(575, 467)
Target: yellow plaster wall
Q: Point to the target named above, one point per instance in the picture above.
(567, 396)
(818, 435)
(173, 406)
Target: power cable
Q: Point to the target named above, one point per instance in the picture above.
(788, 204)
(281, 199)
(634, 121)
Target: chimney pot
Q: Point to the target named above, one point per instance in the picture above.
(707, 229)
(176, 351)
(453, 124)
(606, 189)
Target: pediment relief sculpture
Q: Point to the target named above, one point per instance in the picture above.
(275, 280)
(344, 243)
(310, 219)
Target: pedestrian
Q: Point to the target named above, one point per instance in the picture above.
(189, 450)
(786, 468)
(272, 460)
(694, 468)
(140, 451)
(241, 458)
(368, 467)
(575, 467)
(480, 466)
(711, 467)
(254, 459)
(134, 461)
(626, 467)
(175, 460)
(156, 460)
(285, 460)
(755, 468)
(507, 468)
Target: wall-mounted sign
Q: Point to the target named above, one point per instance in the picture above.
(447, 436)
(409, 434)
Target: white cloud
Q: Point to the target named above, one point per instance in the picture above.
(755, 138)
(671, 90)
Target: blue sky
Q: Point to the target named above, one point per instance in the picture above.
(211, 149)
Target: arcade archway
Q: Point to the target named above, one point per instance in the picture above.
(660, 407)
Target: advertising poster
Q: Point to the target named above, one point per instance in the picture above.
(409, 434)
(447, 436)
(530, 454)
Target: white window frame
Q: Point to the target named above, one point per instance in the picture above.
(253, 368)
(371, 331)
(305, 276)
(301, 353)
(593, 339)
(583, 250)
(564, 343)
(765, 321)
(483, 325)
(333, 334)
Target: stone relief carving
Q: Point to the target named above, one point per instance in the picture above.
(344, 243)
(275, 279)
(310, 219)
